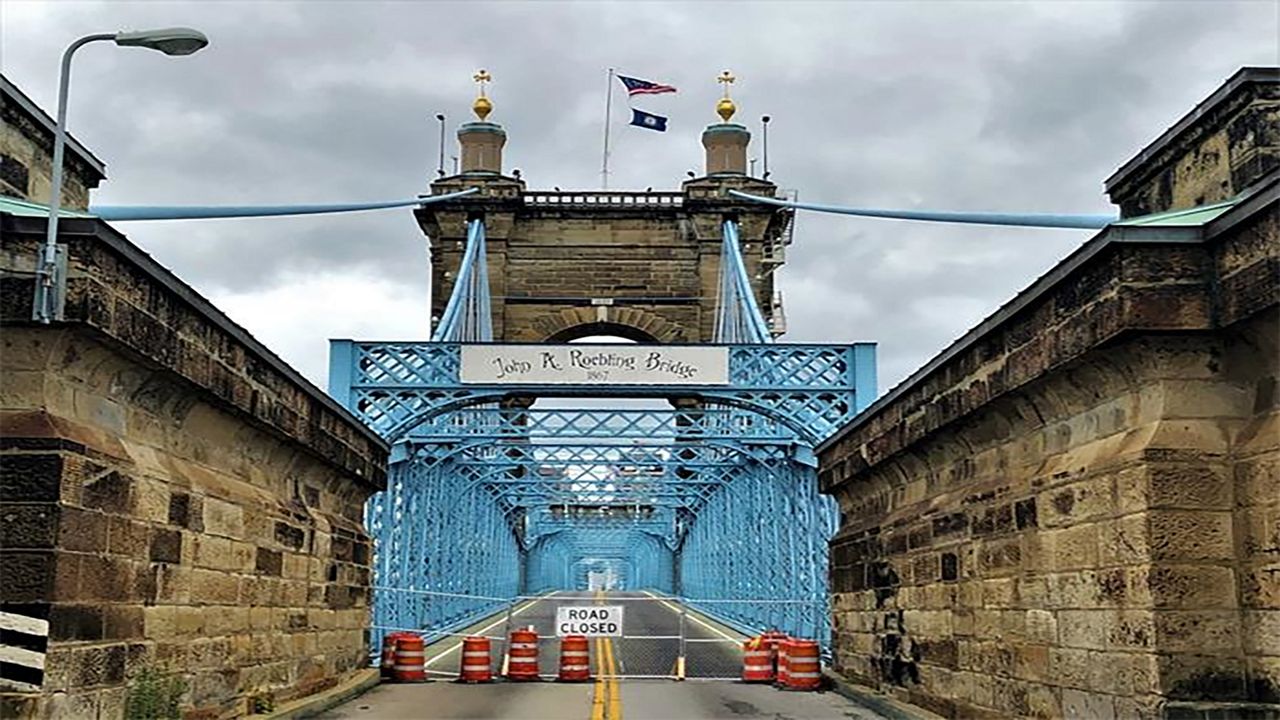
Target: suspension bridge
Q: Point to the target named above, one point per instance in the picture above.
(670, 479)
(713, 498)
(591, 484)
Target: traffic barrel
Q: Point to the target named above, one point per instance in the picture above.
(756, 662)
(476, 665)
(575, 659)
(780, 678)
(388, 664)
(410, 659)
(803, 665)
(772, 639)
(522, 663)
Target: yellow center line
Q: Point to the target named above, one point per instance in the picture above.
(606, 702)
(597, 700)
(615, 692)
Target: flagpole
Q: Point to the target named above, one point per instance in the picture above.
(608, 118)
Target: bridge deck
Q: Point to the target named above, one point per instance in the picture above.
(650, 647)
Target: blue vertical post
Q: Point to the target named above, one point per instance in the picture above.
(864, 375)
(341, 370)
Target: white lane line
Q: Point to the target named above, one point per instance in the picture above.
(689, 614)
(489, 627)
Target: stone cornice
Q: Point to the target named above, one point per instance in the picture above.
(39, 128)
(1125, 280)
(116, 289)
(1205, 118)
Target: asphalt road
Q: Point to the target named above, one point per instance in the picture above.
(649, 648)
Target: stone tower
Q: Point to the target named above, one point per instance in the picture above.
(640, 265)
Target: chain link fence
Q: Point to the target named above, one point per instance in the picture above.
(662, 637)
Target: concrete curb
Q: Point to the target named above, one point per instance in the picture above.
(361, 682)
(879, 702)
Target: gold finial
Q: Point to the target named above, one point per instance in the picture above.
(482, 107)
(725, 108)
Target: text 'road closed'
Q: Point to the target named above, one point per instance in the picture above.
(589, 620)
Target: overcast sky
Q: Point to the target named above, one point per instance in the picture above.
(1014, 107)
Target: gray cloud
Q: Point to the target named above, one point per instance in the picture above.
(995, 106)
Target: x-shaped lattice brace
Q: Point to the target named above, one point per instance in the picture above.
(811, 389)
(538, 474)
(477, 476)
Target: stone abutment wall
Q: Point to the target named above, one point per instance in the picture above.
(1076, 510)
(174, 499)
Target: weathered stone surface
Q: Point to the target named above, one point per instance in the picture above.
(149, 450)
(1225, 146)
(26, 139)
(1095, 475)
(642, 266)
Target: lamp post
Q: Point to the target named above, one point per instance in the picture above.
(440, 166)
(764, 121)
(170, 41)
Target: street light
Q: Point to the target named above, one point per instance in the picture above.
(440, 166)
(765, 122)
(170, 41)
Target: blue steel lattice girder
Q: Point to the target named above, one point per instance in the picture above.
(498, 423)
(812, 389)
(686, 474)
(738, 457)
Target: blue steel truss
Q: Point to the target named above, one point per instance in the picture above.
(715, 498)
(490, 496)
(812, 389)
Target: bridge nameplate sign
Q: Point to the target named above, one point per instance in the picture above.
(594, 365)
(589, 620)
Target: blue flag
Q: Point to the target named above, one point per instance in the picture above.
(648, 121)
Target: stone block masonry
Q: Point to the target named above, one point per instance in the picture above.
(174, 498)
(1223, 146)
(26, 154)
(640, 265)
(1074, 511)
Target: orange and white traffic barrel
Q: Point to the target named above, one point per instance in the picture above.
(522, 660)
(388, 664)
(476, 664)
(803, 665)
(757, 666)
(575, 659)
(772, 639)
(780, 677)
(410, 659)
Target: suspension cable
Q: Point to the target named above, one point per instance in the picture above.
(206, 212)
(1042, 220)
(467, 317)
(738, 316)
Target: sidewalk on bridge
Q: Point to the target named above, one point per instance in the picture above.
(891, 708)
(357, 685)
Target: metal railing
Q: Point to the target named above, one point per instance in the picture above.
(603, 198)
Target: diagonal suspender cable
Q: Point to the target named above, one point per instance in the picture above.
(738, 316)
(467, 316)
(1043, 220)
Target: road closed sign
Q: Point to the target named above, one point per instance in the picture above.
(589, 620)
